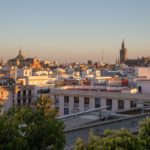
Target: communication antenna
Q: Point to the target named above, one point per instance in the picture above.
(102, 55)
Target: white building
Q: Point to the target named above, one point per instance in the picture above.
(143, 86)
(28, 94)
(142, 71)
(24, 72)
(69, 101)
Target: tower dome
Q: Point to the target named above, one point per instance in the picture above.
(20, 56)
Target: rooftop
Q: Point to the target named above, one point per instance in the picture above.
(99, 115)
(79, 126)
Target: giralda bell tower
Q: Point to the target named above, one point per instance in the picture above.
(123, 53)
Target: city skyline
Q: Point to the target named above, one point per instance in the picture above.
(69, 31)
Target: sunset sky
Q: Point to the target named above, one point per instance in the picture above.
(74, 30)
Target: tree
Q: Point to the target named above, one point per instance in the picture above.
(80, 145)
(120, 140)
(28, 128)
(144, 133)
(112, 140)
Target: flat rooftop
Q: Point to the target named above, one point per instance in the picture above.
(80, 126)
(94, 117)
(90, 118)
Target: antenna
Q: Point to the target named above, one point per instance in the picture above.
(102, 54)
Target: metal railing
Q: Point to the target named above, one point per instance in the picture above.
(82, 113)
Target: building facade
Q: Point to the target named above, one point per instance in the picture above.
(73, 101)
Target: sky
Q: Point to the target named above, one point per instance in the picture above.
(74, 30)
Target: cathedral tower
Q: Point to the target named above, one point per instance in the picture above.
(123, 53)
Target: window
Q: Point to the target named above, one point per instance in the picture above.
(66, 111)
(24, 93)
(120, 104)
(86, 102)
(66, 101)
(76, 101)
(19, 93)
(109, 103)
(43, 91)
(24, 100)
(29, 92)
(97, 102)
(56, 100)
(140, 89)
(132, 104)
(18, 102)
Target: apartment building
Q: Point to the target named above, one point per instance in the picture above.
(6, 93)
(80, 99)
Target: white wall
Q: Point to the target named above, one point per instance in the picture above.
(37, 80)
(145, 84)
(142, 71)
(24, 72)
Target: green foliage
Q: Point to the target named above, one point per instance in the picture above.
(120, 140)
(27, 128)
(1, 106)
(79, 145)
(112, 140)
(144, 133)
(45, 106)
(94, 141)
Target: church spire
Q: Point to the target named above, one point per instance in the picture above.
(20, 52)
(20, 55)
(123, 53)
(123, 45)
